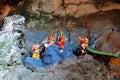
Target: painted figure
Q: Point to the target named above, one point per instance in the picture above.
(36, 51)
(83, 43)
(61, 43)
(50, 41)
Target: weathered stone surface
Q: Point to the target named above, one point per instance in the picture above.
(101, 23)
(76, 1)
(109, 43)
(14, 23)
(11, 43)
(4, 9)
(68, 70)
(104, 26)
(80, 10)
(7, 6)
(50, 6)
(76, 8)
(110, 6)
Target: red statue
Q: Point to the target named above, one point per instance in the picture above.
(61, 43)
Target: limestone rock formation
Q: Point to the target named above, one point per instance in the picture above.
(11, 42)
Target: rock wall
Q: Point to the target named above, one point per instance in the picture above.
(76, 8)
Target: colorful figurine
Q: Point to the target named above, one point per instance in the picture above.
(50, 41)
(83, 43)
(61, 43)
(80, 40)
(36, 51)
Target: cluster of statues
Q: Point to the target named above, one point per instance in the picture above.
(61, 41)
